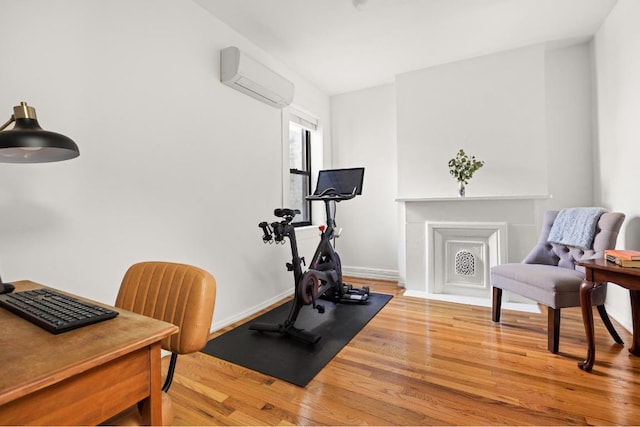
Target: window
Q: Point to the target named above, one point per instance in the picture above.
(300, 172)
(302, 154)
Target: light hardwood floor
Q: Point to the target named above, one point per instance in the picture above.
(424, 362)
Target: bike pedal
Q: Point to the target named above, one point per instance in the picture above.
(320, 308)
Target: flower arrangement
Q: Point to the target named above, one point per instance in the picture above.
(462, 167)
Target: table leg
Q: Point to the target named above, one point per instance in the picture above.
(635, 316)
(587, 318)
(151, 408)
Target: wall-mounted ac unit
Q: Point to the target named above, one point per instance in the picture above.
(247, 75)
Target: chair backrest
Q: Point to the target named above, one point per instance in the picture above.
(176, 293)
(565, 256)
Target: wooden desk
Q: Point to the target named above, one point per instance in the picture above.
(80, 377)
(597, 272)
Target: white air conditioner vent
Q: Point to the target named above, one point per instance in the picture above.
(247, 75)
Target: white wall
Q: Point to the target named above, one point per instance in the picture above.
(176, 166)
(493, 107)
(617, 64)
(569, 118)
(364, 134)
(526, 112)
(173, 165)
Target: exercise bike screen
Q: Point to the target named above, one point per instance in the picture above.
(343, 180)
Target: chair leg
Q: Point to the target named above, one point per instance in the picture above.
(171, 370)
(607, 322)
(496, 304)
(553, 329)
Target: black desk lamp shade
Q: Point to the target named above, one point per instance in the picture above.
(27, 142)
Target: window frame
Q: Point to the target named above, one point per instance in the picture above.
(306, 158)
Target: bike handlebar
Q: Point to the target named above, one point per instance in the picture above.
(267, 232)
(277, 231)
(332, 194)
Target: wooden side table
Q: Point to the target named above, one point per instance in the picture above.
(599, 271)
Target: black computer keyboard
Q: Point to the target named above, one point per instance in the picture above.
(54, 311)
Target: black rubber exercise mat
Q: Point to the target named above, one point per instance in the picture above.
(289, 359)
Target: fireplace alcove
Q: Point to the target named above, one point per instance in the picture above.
(449, 244)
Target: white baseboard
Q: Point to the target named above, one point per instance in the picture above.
(370, 273)
(219, 324)
(359, 272)
(376, 274)
(623, 321)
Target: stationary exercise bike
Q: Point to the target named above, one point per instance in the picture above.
(323, 279)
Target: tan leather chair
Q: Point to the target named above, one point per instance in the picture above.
(176, 293)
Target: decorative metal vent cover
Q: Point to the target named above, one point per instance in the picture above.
(465, 263)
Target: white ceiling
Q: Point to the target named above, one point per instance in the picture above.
(341, 47)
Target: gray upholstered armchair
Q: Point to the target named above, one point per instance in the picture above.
(548, 275)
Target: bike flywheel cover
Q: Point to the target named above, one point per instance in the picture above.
(308, 288)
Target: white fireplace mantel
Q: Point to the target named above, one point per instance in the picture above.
(520, 214)
(471, 198)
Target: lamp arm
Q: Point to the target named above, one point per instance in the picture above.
(11, 120)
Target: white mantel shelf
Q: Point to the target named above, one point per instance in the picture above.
(472, 198)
